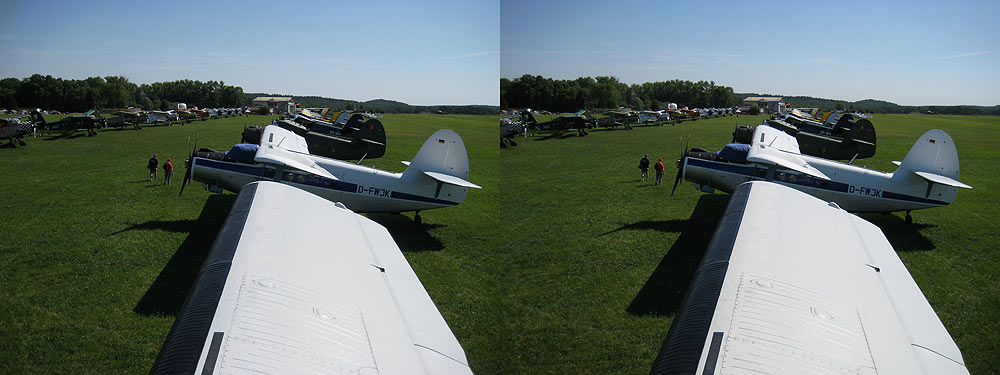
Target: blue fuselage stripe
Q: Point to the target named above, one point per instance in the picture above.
(798, 179)
(263, 172)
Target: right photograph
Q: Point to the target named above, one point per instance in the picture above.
(748, 188)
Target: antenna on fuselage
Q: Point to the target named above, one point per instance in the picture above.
(362, 158)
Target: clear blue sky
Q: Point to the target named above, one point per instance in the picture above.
(418, 52)
(910, 53)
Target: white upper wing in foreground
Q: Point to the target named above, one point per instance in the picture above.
(774, 147)
(793, 285)
(296, 284)
(281, 147)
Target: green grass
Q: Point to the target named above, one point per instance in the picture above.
(597, 263)
(95, 260)
(586, 278)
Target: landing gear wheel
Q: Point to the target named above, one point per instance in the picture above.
(417, 219)
(908, 219)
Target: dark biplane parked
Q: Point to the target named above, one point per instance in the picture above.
(846, 137)
(347, 137)
(88, 121)
(578, 122)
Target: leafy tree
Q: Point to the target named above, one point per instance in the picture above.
(754, 110)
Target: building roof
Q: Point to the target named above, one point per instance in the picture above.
(763, 99)
(272, 99)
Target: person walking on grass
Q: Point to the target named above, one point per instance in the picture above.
(168, 171)
(153, 165)
(644, 167)
(659, 171)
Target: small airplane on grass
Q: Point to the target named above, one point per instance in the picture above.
(848, 138)
(87, 121)
(510, 129)
(354, 139)
(927, 177)
(13, 129)
(296, 284)
(578, 122)
(437, 177)
(792, 284)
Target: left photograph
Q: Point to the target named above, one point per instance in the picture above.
(236, 187)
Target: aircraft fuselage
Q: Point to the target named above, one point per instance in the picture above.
(853, 188)
(360, 188)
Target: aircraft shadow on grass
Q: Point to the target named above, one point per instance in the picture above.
(664, 290)
(64, 136)
(170, 288)
(902, 236)
(409, 236)
(555, 136)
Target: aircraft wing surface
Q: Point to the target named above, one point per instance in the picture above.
(774, 147)
(774, 138)
(281, 147)
(792, 285)
(297, 284)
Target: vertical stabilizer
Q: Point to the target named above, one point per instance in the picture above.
(933, 153)
(443, 152)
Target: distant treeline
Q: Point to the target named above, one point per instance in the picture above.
(71, 95)
(383, 105)
(607, 92)
(881, 106)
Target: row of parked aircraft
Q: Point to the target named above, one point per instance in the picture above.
(14, 129)
(524, 122)
(793, 283)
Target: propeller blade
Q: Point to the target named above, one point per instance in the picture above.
(680, 169)
(188, 170)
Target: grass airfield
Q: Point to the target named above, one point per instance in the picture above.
(598, 263)
(95, 261)
(592, 265)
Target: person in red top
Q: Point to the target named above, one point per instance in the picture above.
(168, 171)
(659, 171)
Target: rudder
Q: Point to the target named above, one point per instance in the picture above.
(935, 153)
(442, 152)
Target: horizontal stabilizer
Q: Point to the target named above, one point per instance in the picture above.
(449, 179)
(936, 178)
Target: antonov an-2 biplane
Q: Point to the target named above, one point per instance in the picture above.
(927, 177)
(791, 284)
(295, 284)
(436, 177)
